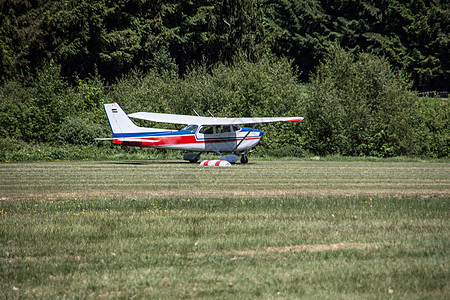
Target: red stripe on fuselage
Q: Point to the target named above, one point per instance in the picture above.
(170, 140)
(161, 141)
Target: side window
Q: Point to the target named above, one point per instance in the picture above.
(223, 129)
(236, 128)
(207, 130)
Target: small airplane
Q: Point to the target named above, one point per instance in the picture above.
(202, 134)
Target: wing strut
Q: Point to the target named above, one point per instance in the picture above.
(253, 127)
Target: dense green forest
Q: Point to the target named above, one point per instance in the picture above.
(110, 38)
(351, 68)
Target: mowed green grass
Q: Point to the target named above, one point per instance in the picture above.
(173, 230)
(147, 179)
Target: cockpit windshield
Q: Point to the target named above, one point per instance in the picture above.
(191, 128)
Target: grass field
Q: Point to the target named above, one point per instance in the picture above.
(147, 179)
(285, 229)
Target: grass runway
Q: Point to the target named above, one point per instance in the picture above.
(284, 229)
(148, 179)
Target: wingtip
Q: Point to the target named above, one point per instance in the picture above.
(294, 120)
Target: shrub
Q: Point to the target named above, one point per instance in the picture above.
(359, 106)
(78, 131)
(435, 116)
(33, 112)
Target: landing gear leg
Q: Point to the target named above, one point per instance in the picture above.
(244, 159)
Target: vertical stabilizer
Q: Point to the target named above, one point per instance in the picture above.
(119, 121)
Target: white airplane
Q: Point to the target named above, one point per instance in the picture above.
(202, 134)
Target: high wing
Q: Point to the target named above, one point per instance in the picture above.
(186, 119)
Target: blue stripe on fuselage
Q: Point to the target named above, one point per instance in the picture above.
(169, 133)
(151, 134)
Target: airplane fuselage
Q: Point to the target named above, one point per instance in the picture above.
(195, 138)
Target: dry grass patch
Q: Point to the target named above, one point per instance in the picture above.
(323, 247)
(306, 248)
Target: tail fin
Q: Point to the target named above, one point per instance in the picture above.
(120, 123)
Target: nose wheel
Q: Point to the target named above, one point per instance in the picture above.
(244, 159)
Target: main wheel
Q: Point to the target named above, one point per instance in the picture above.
(244, 159)
(192, 157)
(195, 159)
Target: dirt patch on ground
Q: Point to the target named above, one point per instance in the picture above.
(323, 247)
(306, 248)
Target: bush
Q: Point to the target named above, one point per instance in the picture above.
(78, 131)
(435, 116)
(33, 112)
(285, 151)
(359, 106)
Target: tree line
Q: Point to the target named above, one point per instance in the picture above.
(339, 64)
(110, 38)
